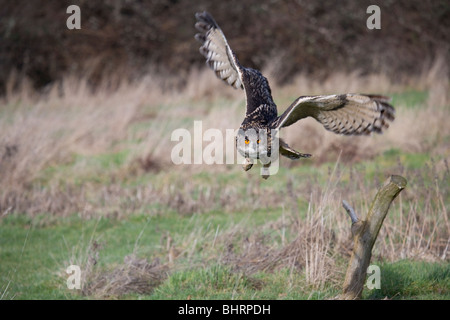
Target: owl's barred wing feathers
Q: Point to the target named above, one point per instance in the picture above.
(349, 114)
(217, 52)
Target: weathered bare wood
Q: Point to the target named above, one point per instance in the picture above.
(365, 234)
(356, 223)
(351, 212)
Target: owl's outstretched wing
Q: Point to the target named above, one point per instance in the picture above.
(217, 52)
(349, 114)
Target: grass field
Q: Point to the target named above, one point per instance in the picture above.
(87, 179)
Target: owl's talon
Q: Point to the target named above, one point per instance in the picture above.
(265, 172)
(247, 164)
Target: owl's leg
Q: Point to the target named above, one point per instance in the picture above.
(265, 171)
(247, 164)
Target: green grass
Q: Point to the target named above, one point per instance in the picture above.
(34, 250)
(34, 257)
(218, 282)
(410, 98)
(413, 280)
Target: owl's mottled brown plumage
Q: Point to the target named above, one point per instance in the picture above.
(349, 114)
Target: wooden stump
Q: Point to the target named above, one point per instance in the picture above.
(364, 235)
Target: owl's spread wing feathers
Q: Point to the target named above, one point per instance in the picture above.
(217, 52)
(349, 114)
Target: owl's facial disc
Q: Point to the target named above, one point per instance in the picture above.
(250, 144)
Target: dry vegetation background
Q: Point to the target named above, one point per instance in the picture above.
(134, 37)
(117, 88)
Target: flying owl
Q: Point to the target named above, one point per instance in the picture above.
(348, 114)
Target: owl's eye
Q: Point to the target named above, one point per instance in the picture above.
(257, 141)
(247, 141)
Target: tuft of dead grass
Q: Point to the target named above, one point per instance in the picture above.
(134, 276)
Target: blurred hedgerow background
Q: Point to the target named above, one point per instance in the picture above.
(86, 176)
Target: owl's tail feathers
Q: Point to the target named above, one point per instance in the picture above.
(290, 153)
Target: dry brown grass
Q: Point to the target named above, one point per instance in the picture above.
(134, 276)
(41, 131)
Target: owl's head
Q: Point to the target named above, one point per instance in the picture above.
(252, 143)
